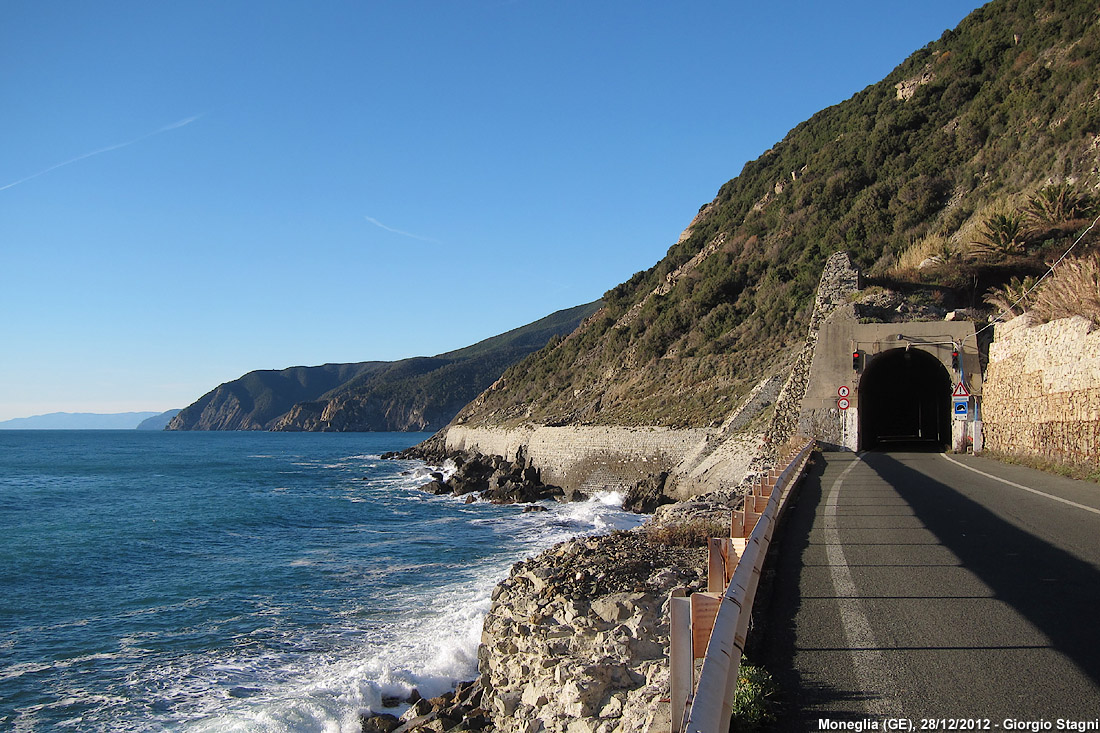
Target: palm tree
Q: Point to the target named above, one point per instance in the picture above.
(1014, 297)
(1002, 234)
(1055, 205)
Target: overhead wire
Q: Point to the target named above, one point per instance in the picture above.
(994, 321)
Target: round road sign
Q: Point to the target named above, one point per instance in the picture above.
(843, 403)
(843, 391)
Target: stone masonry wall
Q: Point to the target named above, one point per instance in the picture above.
(1042, 391)
(839, 282)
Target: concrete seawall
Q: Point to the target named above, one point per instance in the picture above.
(589, 458)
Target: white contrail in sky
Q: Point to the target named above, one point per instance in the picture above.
(380, 225)
(174, 126)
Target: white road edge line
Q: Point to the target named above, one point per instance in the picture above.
(1021, 486)
(869, 665)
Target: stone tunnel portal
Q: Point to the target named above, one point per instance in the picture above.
(904, 401)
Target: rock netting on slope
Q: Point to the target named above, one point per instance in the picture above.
(576, 639)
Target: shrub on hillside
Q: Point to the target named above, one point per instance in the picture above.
(1055, 205)
(687, 533)
(1000, 235)
(1014, 297)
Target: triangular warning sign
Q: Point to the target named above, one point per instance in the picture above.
(960, 391)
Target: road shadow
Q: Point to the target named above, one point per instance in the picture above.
(772, 642)
(1055, 591)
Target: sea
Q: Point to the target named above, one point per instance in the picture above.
(243, 581)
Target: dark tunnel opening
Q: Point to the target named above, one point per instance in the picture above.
(905, 402)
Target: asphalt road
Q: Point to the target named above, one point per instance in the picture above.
(907, 586)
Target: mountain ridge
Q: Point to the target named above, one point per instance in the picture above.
(416, 394)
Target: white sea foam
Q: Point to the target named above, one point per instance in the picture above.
(18, 670)
(430, 646)
(411, 619)
(427, 650)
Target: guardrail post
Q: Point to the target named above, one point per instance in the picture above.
(704, 609)
(722, 558)
(737, 524)
(738, 544)
(714, 629)
(681, 665)
(744, 520)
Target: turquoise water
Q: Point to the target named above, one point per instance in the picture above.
(241, 581)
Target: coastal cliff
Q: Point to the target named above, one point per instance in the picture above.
(693, 369)
(679, 463)
(410, 395)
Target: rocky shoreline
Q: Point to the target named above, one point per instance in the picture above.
(575, 642)
(576, 638)
(459, 710)
(500, 481)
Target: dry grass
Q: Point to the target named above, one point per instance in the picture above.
(934, 246)
(688, 533)
(1073, 290)
(1081, 472)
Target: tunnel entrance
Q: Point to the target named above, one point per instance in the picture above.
(905, 402)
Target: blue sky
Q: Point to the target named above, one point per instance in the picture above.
(192, 190)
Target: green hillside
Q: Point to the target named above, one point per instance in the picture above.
(915, 176)
(421, 393)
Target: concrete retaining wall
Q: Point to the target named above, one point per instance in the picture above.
(590, 458)
(1042, 391)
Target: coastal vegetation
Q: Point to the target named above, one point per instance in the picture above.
(754, 702)
(686, 533)
(1073, 289)
(972, 163)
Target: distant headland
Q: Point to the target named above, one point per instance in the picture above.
(91, 421)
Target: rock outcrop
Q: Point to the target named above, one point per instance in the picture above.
(492, 478)
(576, 638)
(459, 710)
(352, 412)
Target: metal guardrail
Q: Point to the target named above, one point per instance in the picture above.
(713, 625)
